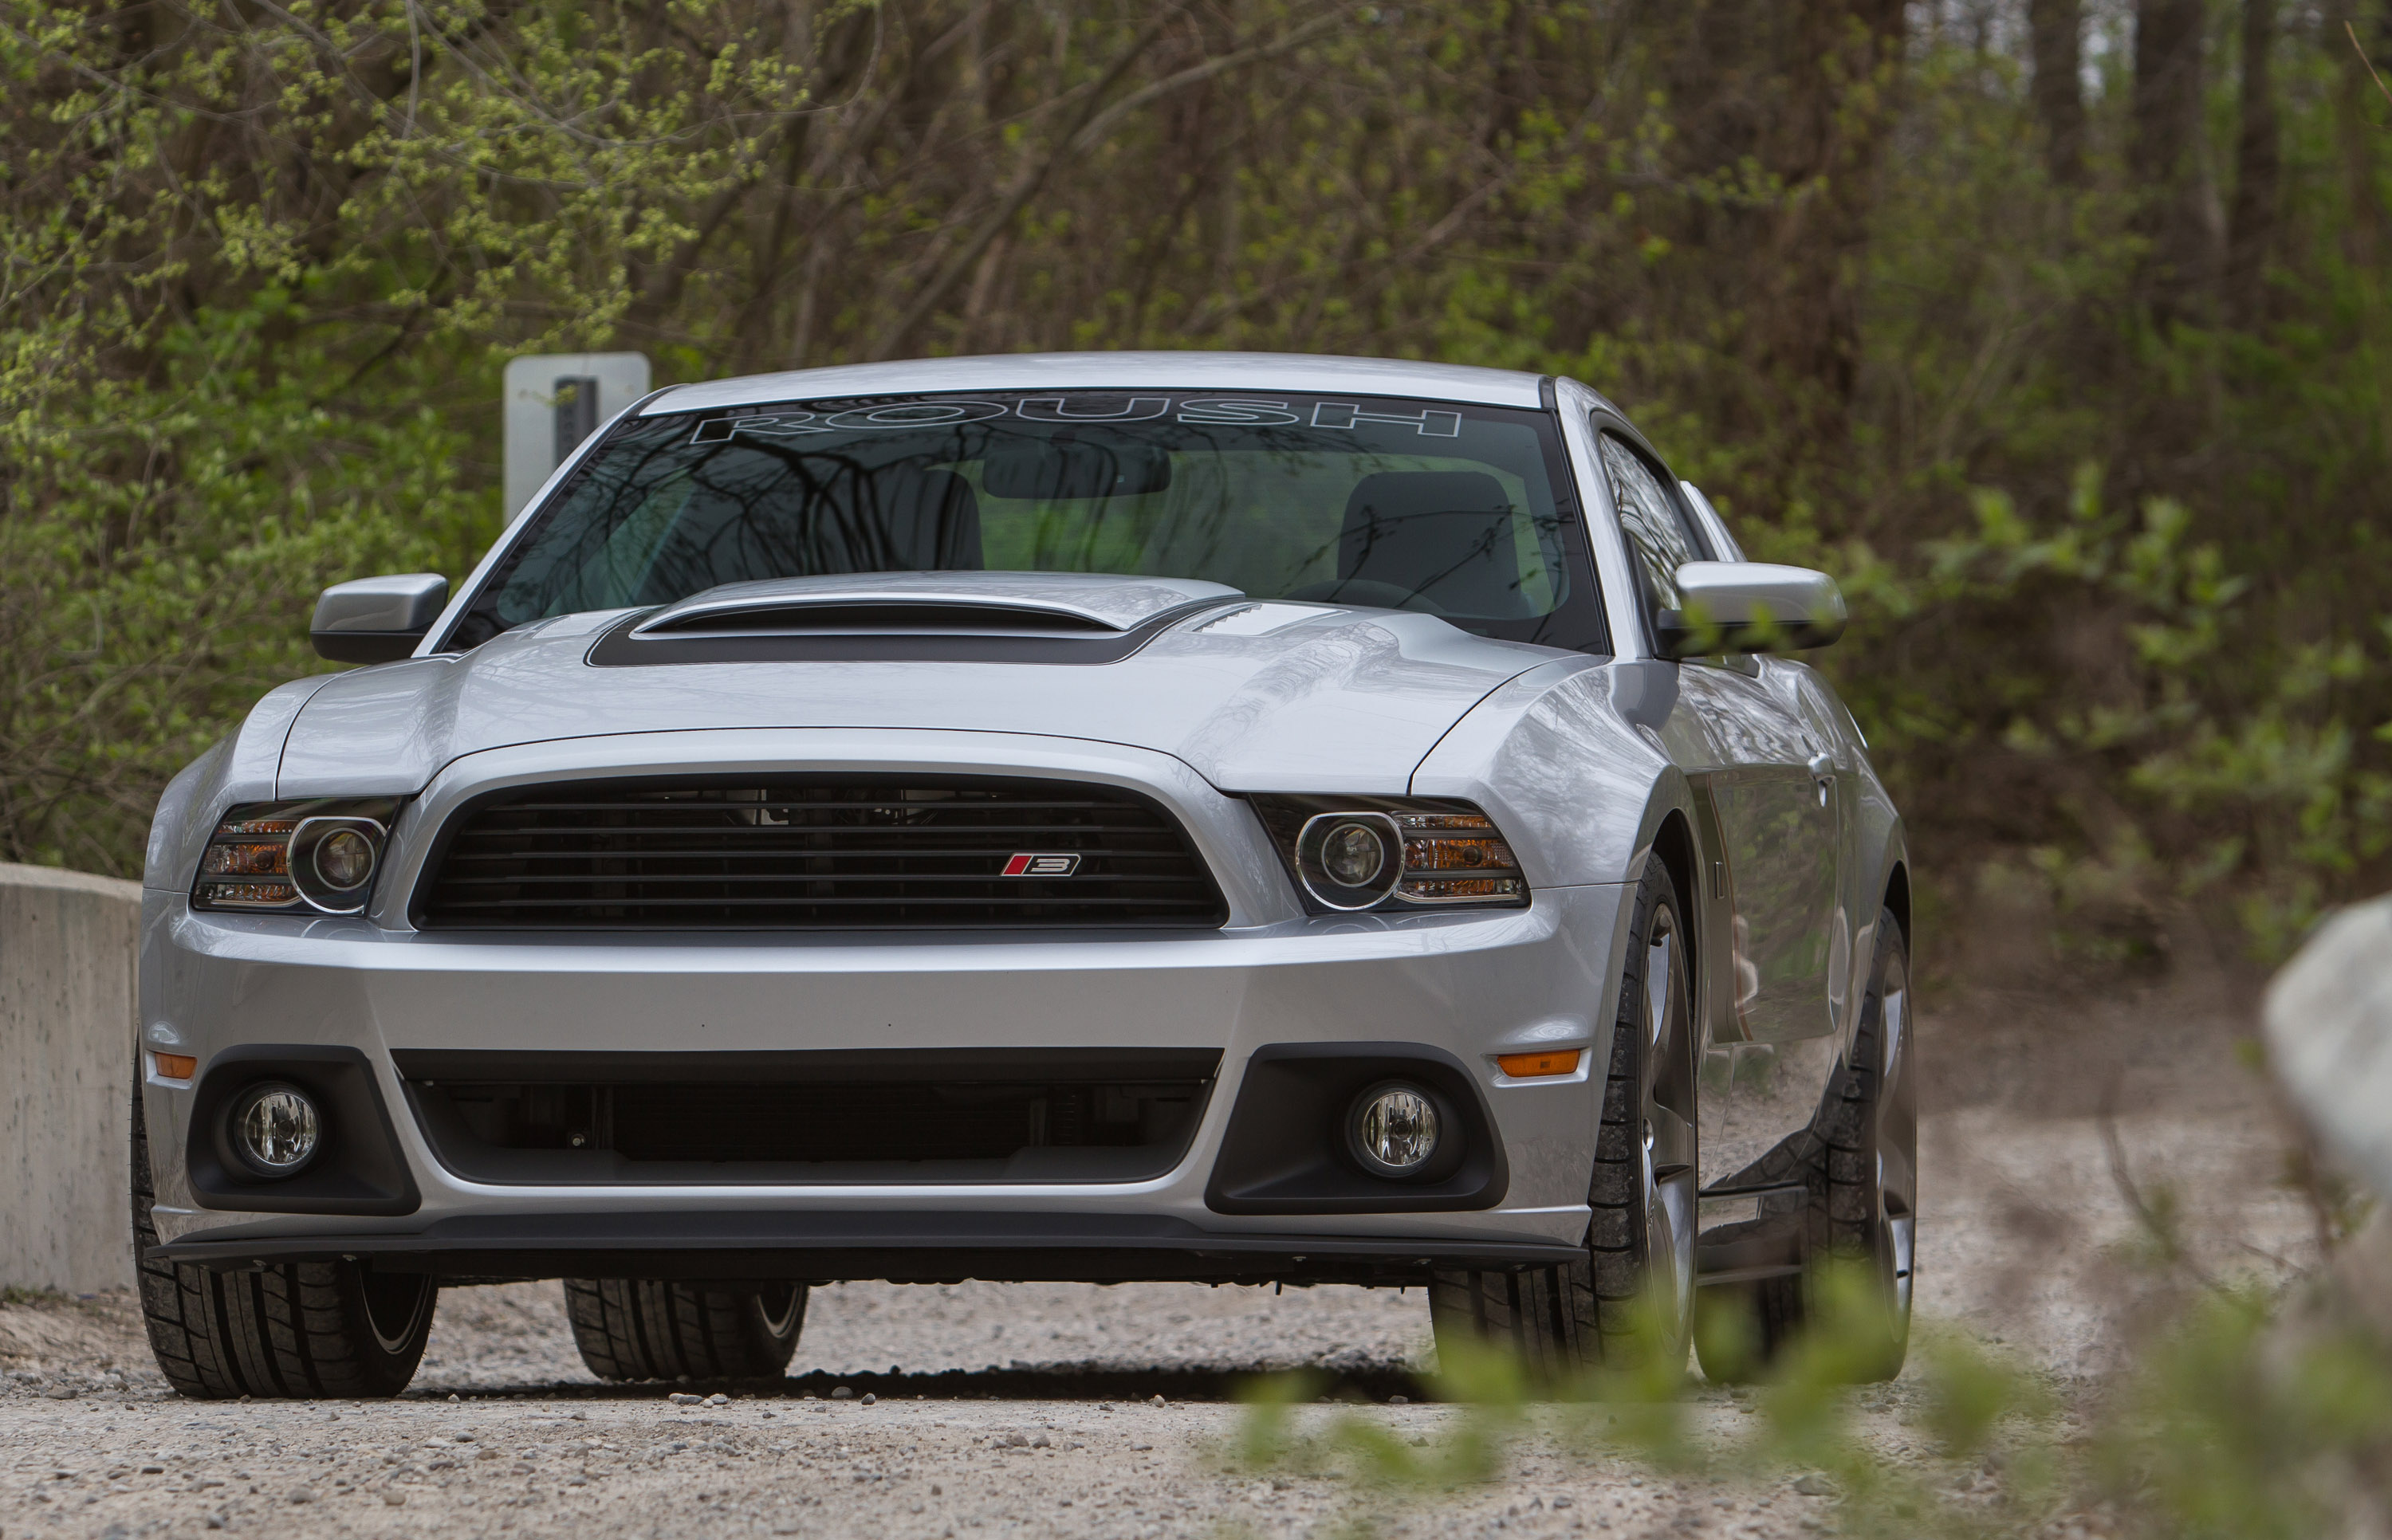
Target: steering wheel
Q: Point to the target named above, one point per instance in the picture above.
(1371, 592)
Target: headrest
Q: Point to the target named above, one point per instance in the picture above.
(1444, 535)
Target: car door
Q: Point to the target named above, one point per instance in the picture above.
(1768, 776)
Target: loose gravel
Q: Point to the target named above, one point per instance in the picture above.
(979, 1410)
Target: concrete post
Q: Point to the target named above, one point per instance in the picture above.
(68, 945)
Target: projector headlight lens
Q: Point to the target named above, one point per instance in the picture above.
(1348, 860)
(344, 859)
(1353, 853)
(1385, 852)
(1395, 1129)
(275, 1128)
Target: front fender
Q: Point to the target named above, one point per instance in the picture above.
(240, 767)
(1577, 787)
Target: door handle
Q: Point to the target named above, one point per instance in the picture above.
(1823, 774)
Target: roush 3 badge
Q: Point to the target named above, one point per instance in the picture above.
(1029, 863)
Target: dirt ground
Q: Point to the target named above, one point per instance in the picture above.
(1030, 1408)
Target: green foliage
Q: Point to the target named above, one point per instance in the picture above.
(1974, 1405)
(2234, 1429)
(2240, 1421)
(2117, 575)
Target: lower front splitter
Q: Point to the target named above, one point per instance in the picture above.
(903, 1247)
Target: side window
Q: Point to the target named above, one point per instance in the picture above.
(1707, 517)
(1655, 523)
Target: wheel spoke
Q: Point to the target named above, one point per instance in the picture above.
(1896, 1180)
(1673, 1139)
(1670, 1138)
(1662, 1014)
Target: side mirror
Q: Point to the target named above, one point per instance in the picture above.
(1750, 607)
(377, 619)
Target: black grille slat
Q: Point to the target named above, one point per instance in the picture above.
(807, 853)
(811, 898)
(766, 832)
(826, 807)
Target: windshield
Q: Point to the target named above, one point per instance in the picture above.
(1452, 509)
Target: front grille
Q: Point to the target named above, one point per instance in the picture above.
(816, 853)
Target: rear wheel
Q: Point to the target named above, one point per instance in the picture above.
(1631, 1301)
(655, 1329)
(328, 1328)
(1873, 1163)
(1861, 1172)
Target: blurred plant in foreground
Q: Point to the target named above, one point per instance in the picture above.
(2246, 1416)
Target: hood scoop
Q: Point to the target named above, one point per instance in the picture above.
(884, 618)
(943, 616)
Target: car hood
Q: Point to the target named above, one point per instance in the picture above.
(1255, 696)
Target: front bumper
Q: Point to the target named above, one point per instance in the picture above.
(1466, 986)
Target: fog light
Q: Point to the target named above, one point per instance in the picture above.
(275, 1128)
(1394, 1128)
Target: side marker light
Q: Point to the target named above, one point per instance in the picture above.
(1521, 1066)
(177, 1067)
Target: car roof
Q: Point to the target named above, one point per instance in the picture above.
(1116, 371)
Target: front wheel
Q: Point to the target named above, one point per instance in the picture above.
(305, 1329)
(656, 1328)
(1630, 1303)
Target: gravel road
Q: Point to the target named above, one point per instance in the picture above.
(1030, 1408)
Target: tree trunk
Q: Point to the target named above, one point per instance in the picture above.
(2169, 160)
(1804, 90)
(2358, 108)
(2056, 30)
(2252, 232)
(2358, 104)
(1841, 73)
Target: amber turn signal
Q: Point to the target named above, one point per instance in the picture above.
(177, 1067)
(1529, 1065)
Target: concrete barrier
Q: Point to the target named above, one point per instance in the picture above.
(67, 1005)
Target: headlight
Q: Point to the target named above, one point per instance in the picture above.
(1383, 852)
(317, 856)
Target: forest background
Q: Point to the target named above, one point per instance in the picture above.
(2060, 330)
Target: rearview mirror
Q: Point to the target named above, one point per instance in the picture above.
(377, 619)
(1750, 607)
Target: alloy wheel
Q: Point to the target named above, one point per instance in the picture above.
(1897, 1146)
(1669, 1141)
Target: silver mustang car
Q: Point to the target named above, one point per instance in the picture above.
(1192, 816)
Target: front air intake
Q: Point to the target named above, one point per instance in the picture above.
(815, 853)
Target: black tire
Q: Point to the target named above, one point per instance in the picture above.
(655, 1329)
(295, 1329)
(1594, 1314)
(1859, 1165)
